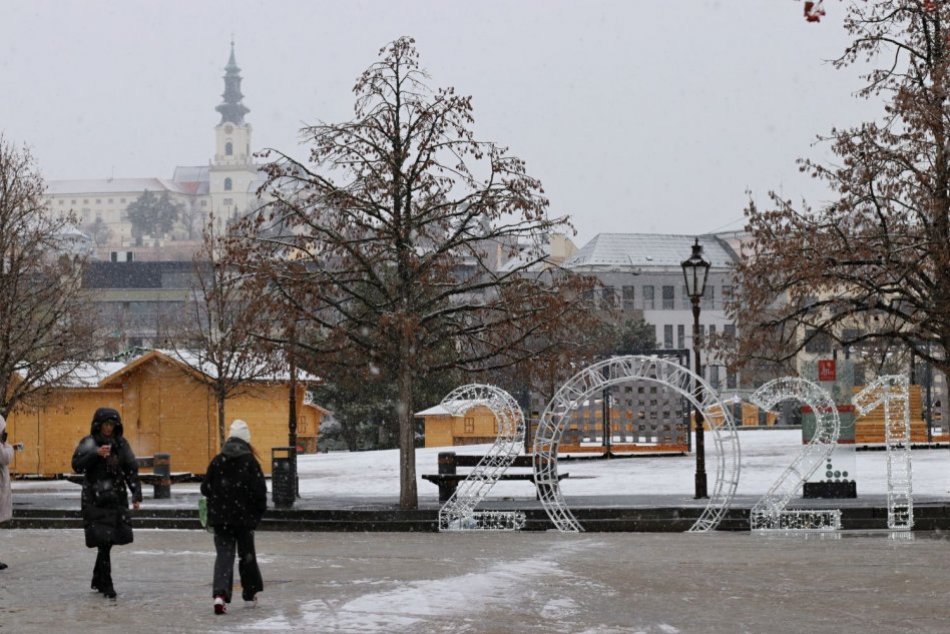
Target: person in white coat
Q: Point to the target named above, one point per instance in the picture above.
(6, 490)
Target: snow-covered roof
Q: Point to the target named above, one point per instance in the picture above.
(647, 250)
(193, 360)
(112, 186)
(87, 374)
(191, 173)
(528, 255)
(450, 408)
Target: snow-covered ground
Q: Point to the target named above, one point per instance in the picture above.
(764, 455)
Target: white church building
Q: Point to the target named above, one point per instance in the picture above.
(226, 186)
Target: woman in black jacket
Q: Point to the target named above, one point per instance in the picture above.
(111, 471)
(237, 498)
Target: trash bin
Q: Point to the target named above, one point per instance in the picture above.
(283, 478)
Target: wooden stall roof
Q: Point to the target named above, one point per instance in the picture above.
(192, 364)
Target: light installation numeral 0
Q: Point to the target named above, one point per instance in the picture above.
(614, 371)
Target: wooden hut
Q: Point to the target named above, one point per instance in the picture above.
(165, 408)
(444, 429)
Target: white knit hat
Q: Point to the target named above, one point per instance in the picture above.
(239, 430)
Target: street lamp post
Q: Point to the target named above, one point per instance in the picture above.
(695, 272)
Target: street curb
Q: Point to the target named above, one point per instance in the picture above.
(930, 517)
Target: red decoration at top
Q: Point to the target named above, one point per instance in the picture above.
(814, 11)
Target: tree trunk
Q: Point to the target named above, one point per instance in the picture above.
(349, 432)
(221, 399)
(408, 496)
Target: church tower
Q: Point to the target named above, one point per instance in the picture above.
(232, 174)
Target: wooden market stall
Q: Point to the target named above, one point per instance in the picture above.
(165, 408)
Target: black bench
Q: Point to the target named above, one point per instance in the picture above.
(448, 477)
(161, 477)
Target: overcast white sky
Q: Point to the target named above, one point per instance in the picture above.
(637, 115)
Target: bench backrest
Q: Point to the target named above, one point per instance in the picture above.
(470, 460)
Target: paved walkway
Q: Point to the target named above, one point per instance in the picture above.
(491, 583)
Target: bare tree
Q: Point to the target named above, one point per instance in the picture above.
(391, 236)
(153, 214)
(46, 324)
(871, 269)
(99, 231)
(227, 312)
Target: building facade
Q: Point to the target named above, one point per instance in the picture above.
(226, 187)
(640, 273)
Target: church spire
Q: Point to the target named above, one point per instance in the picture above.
(231, 109)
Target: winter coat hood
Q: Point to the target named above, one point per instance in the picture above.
(235, 447)
(102, 415)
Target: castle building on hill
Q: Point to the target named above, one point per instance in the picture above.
(226, 187)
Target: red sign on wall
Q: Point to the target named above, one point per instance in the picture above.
(826, 369)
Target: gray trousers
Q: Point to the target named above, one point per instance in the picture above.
(225, 542)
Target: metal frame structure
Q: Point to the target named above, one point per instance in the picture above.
(458, 513)
(890, 391)
(613, 371)
(770, 513)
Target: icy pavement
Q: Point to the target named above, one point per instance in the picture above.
(490, 583)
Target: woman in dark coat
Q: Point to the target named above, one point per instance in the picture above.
(237, 498)
(106, 459)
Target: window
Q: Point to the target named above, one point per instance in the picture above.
(469, 425)
(685, 303)
(228, 202)
(817, 342)
(204, 203)
(668, 335)
(607, 296)
(709, 298)
(98, 201)
(228, 149)
(110, 201)
(681, 336)
(122, 200)
(647, 298)
(227, 184)
(61, 202)
(730, 380)
(668, 298)
(628, 296)
(729, 330)
(726, 293)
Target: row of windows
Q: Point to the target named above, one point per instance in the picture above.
(628, 298)
(728, 329)
(820, 342)
(85, 201)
